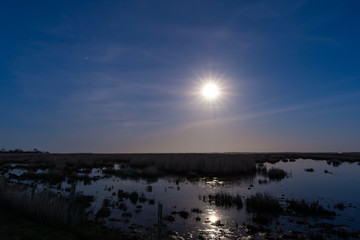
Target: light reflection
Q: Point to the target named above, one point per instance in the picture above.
(213, 218)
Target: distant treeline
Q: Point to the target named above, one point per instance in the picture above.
(19, 150)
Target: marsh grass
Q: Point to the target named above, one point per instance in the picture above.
(134, 197)
(339, 206)
(224, 200)
(43, 205)
(309, 209)
(263, 207)
(262, 203)
(223, 164)
(196, 210)
(103, 212)
(334, 162)
(156, 165)
(276, 174)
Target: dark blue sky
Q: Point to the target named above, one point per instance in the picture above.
(124, 76)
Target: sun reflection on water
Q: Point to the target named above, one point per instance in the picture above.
(213, 218)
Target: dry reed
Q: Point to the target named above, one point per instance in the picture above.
(197, 163)
(43, 205)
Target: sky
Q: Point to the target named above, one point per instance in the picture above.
(126, 76)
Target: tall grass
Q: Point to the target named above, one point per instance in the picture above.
(226, 200)
(43, 205)
(263, 207)
(197, 163)
(312, 209)
(276, 174)
(263, 203)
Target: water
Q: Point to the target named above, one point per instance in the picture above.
(338, 186)
(181, 194)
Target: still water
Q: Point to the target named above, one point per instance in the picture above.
(337, 185)
(324, 182)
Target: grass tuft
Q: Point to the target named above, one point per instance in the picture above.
(224, 200)
(263, 207)
(309, 209)
(276, 174)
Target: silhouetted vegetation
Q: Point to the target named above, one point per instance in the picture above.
(263, 207)
(21, 151)
(84, 200)
(196, 210)
(134, 196)
(122, 195)
(334, 162)
(309, 209)
(183, 214)
(194, 163)
(169, 218)
(263, 181)
(149, 188)
(276, 174)
(17, 225)
(103, 212)
(43, 205)
(224, 200)
(340, 206)
(263, 203)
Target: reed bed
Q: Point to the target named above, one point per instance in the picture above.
(263, 208)
(311, 209)
(209, 163)
(43, 205)
(226, 200)
(276, 174)
(197, 163)
(263, 203)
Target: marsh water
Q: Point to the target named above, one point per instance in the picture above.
(319, 181)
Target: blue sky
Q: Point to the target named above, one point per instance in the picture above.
(124, 76)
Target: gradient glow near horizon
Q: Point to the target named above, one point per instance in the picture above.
(128, 76)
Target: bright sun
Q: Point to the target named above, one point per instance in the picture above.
(210, 91)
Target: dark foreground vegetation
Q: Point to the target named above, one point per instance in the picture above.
(44, 215)
(20, 226)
